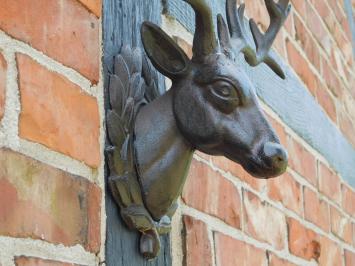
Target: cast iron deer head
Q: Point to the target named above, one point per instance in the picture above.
(212, 107)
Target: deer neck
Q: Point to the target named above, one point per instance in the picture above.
(163, 156)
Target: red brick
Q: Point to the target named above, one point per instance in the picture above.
(198, 248)
(3, 70)
(94, 6)
(264, 222)
(64, 30)
(238, 171)
(341, 226)
(302, 161)
(347, 127)
(299, 6)
(349, 258)
(257, 10)
(286, 190)
(329, 183)
(275, 261)
(348, 200)
(232, 252)
(316, 210)
(57, 113)
(330, 254)
(308, 44)
(40, 202)
(26, 261)
(215, 195)
(331, 78)
(301, 67)
(327, 102)
(314, 23)
(303, 242)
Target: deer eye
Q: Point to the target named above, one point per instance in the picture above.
(225, 95)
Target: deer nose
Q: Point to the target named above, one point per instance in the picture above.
(276, 155)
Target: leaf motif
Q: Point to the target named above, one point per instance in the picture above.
(128, 113)
(121, 70)
(126, 53)
(116, 132)
(134, 84)
(117, 93)
(136, 61)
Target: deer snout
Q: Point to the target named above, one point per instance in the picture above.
(276, 156)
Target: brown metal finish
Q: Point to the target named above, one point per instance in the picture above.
(211, 106)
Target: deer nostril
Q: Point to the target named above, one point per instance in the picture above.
(276, 155)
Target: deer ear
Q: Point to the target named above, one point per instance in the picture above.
(164, 53)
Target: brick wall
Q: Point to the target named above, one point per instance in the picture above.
(306, 216)
(51, 134)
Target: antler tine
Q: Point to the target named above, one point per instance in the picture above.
(205, 42)
(278, 13)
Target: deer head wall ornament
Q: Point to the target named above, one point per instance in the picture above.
(212, 107)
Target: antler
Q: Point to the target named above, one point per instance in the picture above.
(239, 39)
(205, 42)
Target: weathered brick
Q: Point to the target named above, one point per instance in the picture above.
(325, 99)
(329, 183)
(330, 254)
(94, 6)
(40, 202)
(3, 70)
(314, 23)
(57, 113)
(198, 250)
(238, 171)
(349, 258)
(347, 127)
(341, 226)
(302, 161)
(316, 210)
(64, 30)
(280, 130)
(275, 261)
(286, 190)
(264, 222)
(303, 242)
(28, 261)
(348, 200)
(232, 252)
(301, 67)
(215, 195)
(307, 43)
(332, 79)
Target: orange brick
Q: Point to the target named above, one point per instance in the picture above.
(341, 226)
(264, 222)
(325, 99)
(330, 254)
(232, 252)
(280, 130)
(26, 261)
(40, 202)
(238, 171)
(302, 161)
(347, 127)
(348, 200)
(316, 210)
(332, 79)
(286, 190)
(57, 113)
(308, 44)
(329, 183)
(198, 249)
(3, 70)
(94, 6)
(314, 23)
(303, 242)
(63, 30)
(301, 67)
(349, 258)
(275, 261)
(215, 194)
